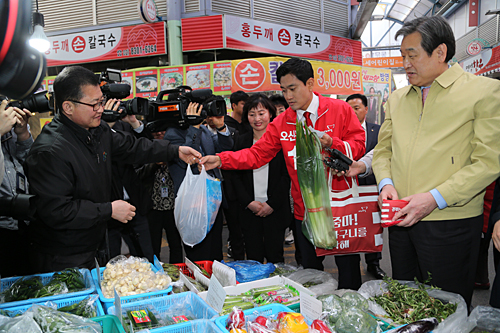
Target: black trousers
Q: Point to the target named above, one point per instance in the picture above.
(135, 233)
(264, 236)
(348, 265)
(211, 247)
(235, 230)
(448, 250)
(164, 219)
(14, 249)
(373, 258)
(495, 288)
(45, 263)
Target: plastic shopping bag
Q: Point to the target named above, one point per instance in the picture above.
(196, 206)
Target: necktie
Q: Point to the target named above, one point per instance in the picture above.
(307, 116)
(425, 92)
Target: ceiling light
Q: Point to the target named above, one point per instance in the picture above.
(39, 40)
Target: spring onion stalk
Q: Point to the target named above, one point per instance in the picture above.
(313, 185)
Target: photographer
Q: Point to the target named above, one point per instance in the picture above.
(16, 142)
(127, 186)
(70, 171)
(203, 139)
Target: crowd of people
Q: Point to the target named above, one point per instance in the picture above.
(96, 183)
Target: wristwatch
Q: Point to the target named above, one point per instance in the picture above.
(221, 128)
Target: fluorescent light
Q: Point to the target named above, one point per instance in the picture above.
(39, 40)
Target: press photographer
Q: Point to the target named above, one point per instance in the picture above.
(16, 142)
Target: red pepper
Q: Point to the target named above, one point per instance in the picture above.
(236, 319)
(320, 326)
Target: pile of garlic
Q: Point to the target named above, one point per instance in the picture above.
(131, 276)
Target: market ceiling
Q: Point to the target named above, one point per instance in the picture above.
(406, 10)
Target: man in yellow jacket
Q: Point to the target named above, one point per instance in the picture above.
(438, 149)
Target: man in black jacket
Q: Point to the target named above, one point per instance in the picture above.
(69, 170)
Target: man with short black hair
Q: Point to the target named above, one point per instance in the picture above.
(336, 123)
(438, 149)
(69, 171)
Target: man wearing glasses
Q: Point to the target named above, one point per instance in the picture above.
(69, 170)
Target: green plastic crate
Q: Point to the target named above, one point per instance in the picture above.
(110, 324)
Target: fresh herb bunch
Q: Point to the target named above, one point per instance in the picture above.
(405, 304)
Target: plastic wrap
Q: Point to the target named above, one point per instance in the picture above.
(352, 299)
(319, 282)
(22, 289)
(250, 270)
(53, 321)
(485, 318)
(54, 287)
(356, 321)
(332, 306)
(456, 323)
(283, 269)
(141, 317)
(21, 324)
(86, 307)
(196, 206)
(131, 276)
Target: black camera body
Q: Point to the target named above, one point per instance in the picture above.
(173, 111)
(37, 102)
(337, 160)
(112, 87)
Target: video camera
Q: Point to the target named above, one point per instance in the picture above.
(112, 86)
(22, 68)
(37, 102)
(173, 111)
(337, 160)
(159, 113)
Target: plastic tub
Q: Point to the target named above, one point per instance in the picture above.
(198, 307)
(251, 314)
(206, 265)
(110, 324)
(193, 326)
(60, 303)
(7, 282)
(109, 302)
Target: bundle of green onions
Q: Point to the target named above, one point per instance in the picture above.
(312, 180)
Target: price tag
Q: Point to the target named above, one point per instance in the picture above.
(118, 307)
(98, 270)
(216, 294)
(310, 307)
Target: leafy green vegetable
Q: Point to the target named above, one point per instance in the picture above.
(405, 305)
(24, 288)
(72, 277)
(314, 189)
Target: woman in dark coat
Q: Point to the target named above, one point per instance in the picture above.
(262, 193)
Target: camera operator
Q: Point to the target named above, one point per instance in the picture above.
(207, 142)
(16, 142)
(126, 186)
(70, 171)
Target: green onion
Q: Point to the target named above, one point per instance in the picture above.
(313, 185)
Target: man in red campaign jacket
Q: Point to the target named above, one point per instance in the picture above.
(334, 118)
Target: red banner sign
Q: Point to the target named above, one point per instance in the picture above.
(107, 44)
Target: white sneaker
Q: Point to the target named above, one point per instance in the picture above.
(289, 238)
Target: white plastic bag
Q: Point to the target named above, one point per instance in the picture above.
(456, 323)
(196, 206)
(485, 318)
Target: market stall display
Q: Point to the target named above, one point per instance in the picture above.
(21, 290)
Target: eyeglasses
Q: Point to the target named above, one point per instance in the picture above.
(95, 106)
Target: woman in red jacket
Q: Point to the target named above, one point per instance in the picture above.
(262, 193)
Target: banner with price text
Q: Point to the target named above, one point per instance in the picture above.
(259, 74)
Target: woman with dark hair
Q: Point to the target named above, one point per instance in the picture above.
(262, 193)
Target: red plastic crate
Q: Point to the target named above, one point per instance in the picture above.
(206, 264)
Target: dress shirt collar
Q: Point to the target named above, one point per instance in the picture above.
(312, 109)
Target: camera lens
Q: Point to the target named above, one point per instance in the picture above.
(22, 68)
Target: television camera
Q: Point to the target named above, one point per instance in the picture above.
(158, 112)
(337, 160)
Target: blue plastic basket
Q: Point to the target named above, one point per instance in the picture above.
(193, 326)
(193, 303)
(109, 324)
(59, 302)
(108, 302)
(7, 282)
(251, 314)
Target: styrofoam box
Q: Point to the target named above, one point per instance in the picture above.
(243, 287)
